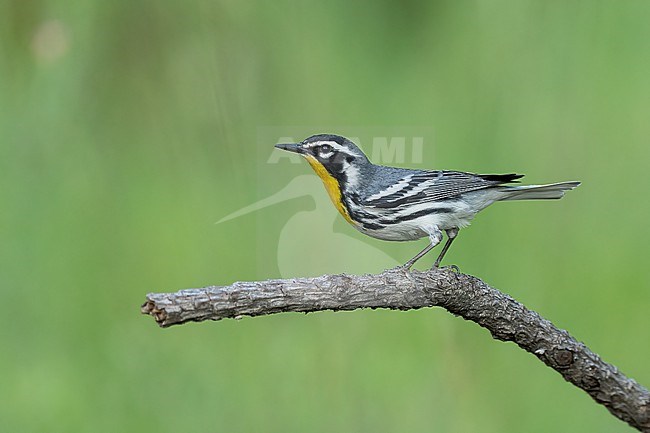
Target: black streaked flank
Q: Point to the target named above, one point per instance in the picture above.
(414, 215)
(373, 226)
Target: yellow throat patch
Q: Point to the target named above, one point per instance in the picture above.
(331, 185)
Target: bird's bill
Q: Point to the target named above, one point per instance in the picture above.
(291, 147)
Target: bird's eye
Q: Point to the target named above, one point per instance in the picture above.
(325, 148)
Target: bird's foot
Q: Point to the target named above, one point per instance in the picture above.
(403, 268)
(443, 268)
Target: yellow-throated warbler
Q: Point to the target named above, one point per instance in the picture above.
(399, 204)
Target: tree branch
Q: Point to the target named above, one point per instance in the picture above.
(460, 294)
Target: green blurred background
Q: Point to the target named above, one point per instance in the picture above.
(127, 128)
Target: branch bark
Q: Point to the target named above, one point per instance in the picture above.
(463, 295)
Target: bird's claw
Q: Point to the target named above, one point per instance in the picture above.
(453, 268)
(403, 268)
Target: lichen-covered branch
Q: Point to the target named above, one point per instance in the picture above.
(460, 294)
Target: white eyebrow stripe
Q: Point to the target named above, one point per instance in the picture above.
(334, 145)
(320, 143)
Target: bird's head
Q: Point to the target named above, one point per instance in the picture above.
(336, 155)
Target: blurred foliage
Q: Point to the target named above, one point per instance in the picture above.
(128, 128)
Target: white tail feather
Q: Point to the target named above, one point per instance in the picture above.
(538, 192)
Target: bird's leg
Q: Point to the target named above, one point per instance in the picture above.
(435, 237)
(418, 256)
(451, 235)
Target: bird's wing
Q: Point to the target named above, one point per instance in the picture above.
(428, 186)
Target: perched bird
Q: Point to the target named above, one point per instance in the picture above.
(399, 204)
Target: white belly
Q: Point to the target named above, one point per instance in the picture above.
(457, 214)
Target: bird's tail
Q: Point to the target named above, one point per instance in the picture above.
(538, 192)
